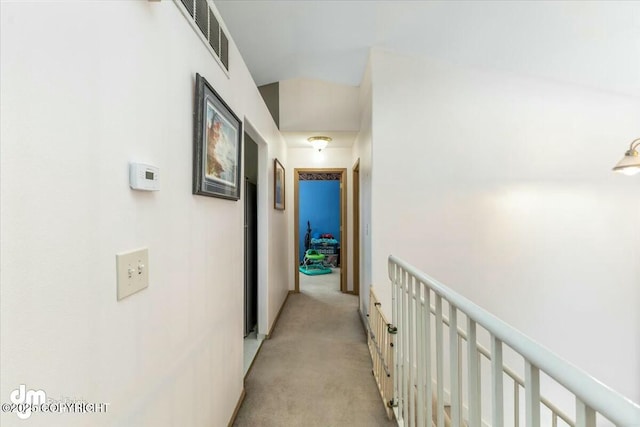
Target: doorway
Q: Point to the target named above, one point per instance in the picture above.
(252, 340)
(250, 235)
(356, 227)
(337, 246)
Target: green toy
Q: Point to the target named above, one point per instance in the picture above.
(313, 263)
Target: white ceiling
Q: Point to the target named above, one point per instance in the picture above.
(589, 43)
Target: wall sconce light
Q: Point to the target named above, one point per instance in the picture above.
(630, 163)
(319, 142)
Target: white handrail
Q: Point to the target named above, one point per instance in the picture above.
(596, 395)
(510, 373)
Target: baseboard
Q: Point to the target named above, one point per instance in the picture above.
(275, 322)
(365, 322)
(238, 405)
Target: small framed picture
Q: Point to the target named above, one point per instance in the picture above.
(278, 185)
(216, 146)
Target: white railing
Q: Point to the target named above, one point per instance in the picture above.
(418, 314)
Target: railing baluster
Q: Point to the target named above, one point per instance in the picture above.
(411, 404)
(439, 360)
(554, 419)
(516, 404)
(532, 394)
(460, 376)
(420, 309)
(454, 366)
(585, 416)
(401, 349)
(427, 354)
(405, 347)
(473, 372)
(400, 362)
(496, 382)
(394, 321)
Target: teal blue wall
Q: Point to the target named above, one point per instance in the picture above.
(319, 204)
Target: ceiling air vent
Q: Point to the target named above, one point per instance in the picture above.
(224, 49)
(209, 26)
(214, 33)
(188, 4)
(202, 15)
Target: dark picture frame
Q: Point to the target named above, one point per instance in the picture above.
(217, 145)
(278, 185)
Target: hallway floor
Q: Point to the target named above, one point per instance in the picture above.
(316, 369)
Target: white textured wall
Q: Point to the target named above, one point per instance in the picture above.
(278, 227)
(362, 149)
(500, 186)
(328, 158)
(86, 88)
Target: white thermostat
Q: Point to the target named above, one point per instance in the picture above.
(144, 177)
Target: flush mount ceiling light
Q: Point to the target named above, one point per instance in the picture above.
(630, 163)
(319, 142)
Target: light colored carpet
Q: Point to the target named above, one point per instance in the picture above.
(316, 369)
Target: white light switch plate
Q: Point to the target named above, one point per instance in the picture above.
(132, 272)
